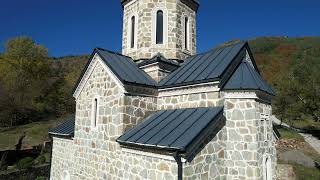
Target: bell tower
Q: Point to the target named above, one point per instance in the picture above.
(166, 27)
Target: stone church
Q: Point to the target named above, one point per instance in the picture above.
(161, 111)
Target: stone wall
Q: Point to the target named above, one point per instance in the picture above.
(245, 146)
(83, 162)
(137, 108)
(174, 13)
(138, 166)
(266, 144)
(209, 162)
(62, 157)
(209, 99)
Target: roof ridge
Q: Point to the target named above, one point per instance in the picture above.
(113, 52)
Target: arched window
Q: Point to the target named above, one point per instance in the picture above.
(186, 33)
(133, 29)
(159, 27)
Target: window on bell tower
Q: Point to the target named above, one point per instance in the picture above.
(133, 30)
(186, 33)
(159, 27)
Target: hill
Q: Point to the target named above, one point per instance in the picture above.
(291, 66)
(277, 55)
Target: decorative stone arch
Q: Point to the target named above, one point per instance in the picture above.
(267, 167)
(165, 26)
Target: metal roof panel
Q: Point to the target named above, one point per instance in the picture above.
(246, 77)
(65, 129)
(171, 129)
(125, 68)
(203, 67)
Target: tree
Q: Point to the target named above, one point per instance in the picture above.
(24, 74)
(305, 76)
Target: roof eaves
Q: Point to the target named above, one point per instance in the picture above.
(188, 83)
(148, 146)
(61, 135)
(261, 83)
(248, 89)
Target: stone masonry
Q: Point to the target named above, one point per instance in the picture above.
(235, 152)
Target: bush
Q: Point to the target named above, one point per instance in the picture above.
(40, 178)
(25, 163)
(40, 160)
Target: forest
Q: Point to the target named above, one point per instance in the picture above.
(34, 86)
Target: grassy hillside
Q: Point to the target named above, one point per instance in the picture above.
(291, 66)
(36, 133)
(276, 55)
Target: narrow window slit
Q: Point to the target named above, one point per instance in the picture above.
(159, 27)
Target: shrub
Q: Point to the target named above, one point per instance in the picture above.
(40, 160)
(40, 178)
(25, 163)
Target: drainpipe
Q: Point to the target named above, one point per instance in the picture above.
(177, 157)
(51, 139)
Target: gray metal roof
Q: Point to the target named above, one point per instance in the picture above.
(124, 68)
(158, 58)
(65, 129)
(246, 77)
(172, 130)
(205, 67)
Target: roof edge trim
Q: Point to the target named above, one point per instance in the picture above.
(92, 63)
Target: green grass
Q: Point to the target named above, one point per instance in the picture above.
(304, 124)
(305, 173)
(288, 134)
(36, 133)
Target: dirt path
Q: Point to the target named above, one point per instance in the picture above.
(313, 141)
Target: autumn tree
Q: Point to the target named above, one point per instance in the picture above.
(24, 74)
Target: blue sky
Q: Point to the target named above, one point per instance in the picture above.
(72, 27)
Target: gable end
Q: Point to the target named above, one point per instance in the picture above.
(92, 63)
